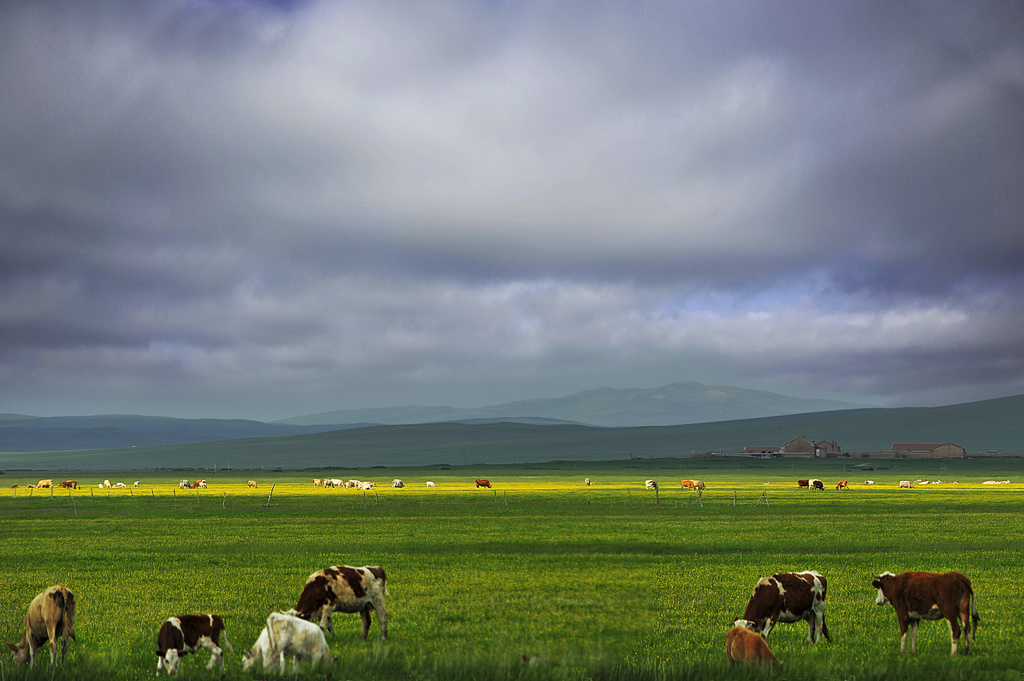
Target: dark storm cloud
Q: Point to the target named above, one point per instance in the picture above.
(256, 209)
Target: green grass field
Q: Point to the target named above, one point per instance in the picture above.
(611, 582)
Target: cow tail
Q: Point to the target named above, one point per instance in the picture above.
(975, 617)
(227, 644)
(824, 629)
(272, 636)
(69, 616)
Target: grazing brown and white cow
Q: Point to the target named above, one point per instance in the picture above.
(253, 483)
(803, 483)
(343, 588)
(817, 484)
(651, 484)
(843, 484)
(201, 484)
(789, 597)
(693, 484)
(747, 647)
(586, 481)
(920, 596)
(45, 484)
(397, 483)
(482, 482)
(50, 617)
(906, 484)
(186, 634)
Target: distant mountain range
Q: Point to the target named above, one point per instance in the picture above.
(983, 428)
(670, 405)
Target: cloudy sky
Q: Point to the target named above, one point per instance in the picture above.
(258, 209)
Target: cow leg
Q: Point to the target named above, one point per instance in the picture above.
(812, 626)
(904, 626)
(365, 614)
(216, 654)
(954, 635)
(382, 619)
(913, 636)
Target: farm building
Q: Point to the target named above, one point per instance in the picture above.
(801, 446)
(762, 451)
(919, 450)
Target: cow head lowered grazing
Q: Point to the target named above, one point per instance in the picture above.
(917, 596)
(343, 588)
(179, 636)
(788, 597)
(50, 617)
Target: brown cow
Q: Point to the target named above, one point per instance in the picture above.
(343, 588)
(253, 483)
(693, 484)
(746, 647)
(843, 484)
(50, 616)
(789, 597)
(920, 596)
(481, 482)
(68, 484)
(803, 483)
(179, 636)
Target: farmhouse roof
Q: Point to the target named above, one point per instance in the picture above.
(919, 446)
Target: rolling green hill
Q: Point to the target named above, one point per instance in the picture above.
(669, 405)
(980, 427)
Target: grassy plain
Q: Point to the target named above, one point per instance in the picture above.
(608, 582)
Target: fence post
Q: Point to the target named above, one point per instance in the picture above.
(657, 500)
(734, 497)
(271, 494)
(222, 496)
(700, 500)
(51, 492)
(495, 497)
(504, 493)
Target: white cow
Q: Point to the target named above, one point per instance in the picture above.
(651, 484)
(367, 486)
(906, 484)
(284, 636)
(120, 484)
(135, 484)
(430, 483)
(397, 483)
(106, 483)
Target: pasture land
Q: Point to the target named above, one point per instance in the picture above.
(609, 582)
